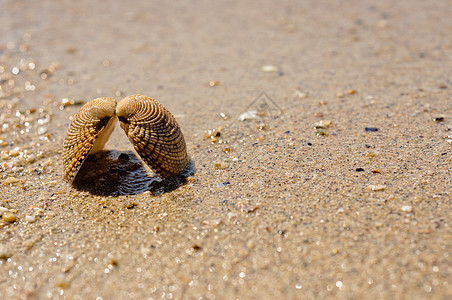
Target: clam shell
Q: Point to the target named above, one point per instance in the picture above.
(89, 131)
(154, 133)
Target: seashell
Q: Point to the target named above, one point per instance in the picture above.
(154, 133)
(89, 131)
(152, 129)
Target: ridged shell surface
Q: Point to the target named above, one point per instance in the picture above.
(154, 133)
(87, 134)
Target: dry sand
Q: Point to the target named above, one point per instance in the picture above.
(277, 209)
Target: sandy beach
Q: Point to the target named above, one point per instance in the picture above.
(320, 134)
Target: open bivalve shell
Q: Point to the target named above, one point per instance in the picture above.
(151, 128)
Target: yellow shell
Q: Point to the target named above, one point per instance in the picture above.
(154, 133)
(152, 129)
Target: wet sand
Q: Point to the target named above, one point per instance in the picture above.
(320, 135)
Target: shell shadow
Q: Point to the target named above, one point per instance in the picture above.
(115, 173)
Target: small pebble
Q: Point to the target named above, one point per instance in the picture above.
(190, 179)
(372, 129)
(9, 217)
(42, 130)
(224, 116)
(39, 211)
(250, 244)
(371, 154)
(359, 170)
(67, 102)
(131, 205)
(249, 208)
(300, 95)
(30, 159)
(14, 153)
(438, 119)
(323, 124)
(407, 208)
(196, 247)
(220, 166)
(68, 267)
(30, 219)
(156, 229)
(44, 74)
(10, 180)
(225, 183)
(378, 188)
(289, 174)
(214, 83)
(212, 133)
(351, 92)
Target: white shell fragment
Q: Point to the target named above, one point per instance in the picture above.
(269, 68)
(249, 115)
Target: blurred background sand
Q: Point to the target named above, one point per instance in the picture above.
(336, 184)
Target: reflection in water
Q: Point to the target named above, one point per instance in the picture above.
(122, 173)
